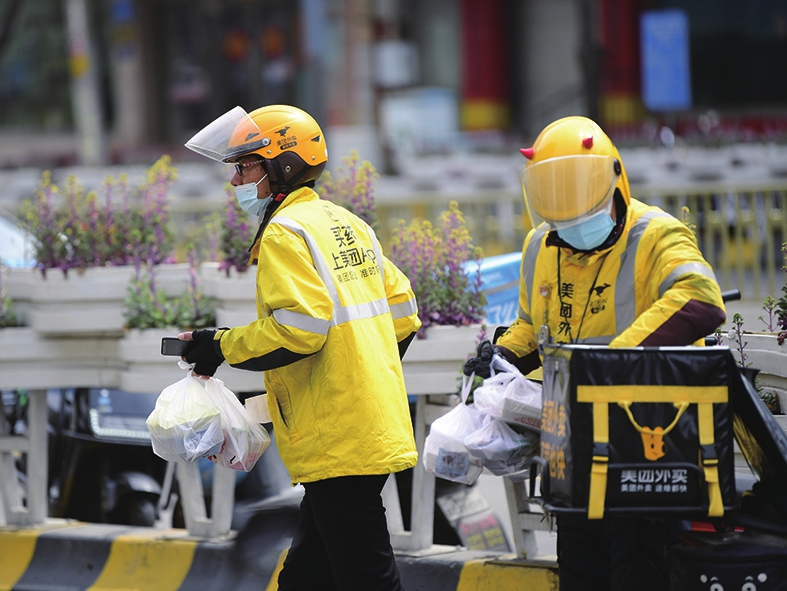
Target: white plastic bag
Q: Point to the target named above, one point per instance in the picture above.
(244, 440)
(185, 425)
(509, 396)
(501, 448)
(445, 454)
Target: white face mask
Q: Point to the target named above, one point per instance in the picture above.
(248, 200)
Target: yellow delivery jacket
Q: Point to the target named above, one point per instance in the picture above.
(652, 287)
(331, 310)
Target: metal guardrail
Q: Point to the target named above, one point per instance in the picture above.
(739, 228)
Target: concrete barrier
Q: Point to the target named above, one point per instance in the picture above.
(74, 556)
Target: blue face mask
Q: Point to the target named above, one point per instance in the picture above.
(247, 198)
(590, 233)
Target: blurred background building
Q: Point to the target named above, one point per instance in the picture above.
(389, 77)
(437, 94)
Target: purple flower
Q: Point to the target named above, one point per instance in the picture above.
(434, 260)
(74, 230)
(352, 187)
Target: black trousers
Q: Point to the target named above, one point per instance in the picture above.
(341, 540)
(614, 553)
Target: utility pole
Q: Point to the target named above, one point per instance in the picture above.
(85, 96)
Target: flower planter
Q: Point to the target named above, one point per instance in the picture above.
(234, 295)
(86, 302)
(763, 352)
(433, 365)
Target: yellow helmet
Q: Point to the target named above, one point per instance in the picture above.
(288, 139)
(572, 172)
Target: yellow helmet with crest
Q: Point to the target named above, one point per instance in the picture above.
(572, 172)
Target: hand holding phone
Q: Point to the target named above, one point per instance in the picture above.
(174, 346)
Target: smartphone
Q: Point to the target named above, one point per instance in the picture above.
(174, 346)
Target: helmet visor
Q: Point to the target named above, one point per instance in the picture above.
(564, 191)
(227, 138)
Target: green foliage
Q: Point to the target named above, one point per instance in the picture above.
(145, 306)
(148, 306)
(781, 303)
(776, 310)
(8, 315)
(737, 335)
(771, 401)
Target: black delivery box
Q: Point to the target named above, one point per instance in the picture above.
(645, 431)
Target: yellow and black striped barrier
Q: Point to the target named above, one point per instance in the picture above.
(76, 556)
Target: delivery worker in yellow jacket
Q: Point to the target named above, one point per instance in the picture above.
(601, 268)
(334, 318)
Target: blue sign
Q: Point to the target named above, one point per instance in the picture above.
(122, 11)
(666, 75)
(500, 285)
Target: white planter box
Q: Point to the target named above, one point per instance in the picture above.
(235, 296)
(433, 365)
(87, 302)
(17, 282)
(147, 370)
(28, 360)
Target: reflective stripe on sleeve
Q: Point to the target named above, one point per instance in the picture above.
(404, 309)
(301, 321)
(681, 270)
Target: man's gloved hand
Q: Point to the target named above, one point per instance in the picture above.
(480, 364)
(205, 354)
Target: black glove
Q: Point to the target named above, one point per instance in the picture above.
(206, 353)
(479, 365)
